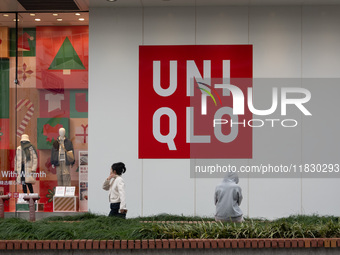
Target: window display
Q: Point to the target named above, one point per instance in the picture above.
(43, 118)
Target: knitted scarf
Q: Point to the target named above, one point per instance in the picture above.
(25, 145)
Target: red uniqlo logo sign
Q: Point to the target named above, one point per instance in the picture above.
(186, 100)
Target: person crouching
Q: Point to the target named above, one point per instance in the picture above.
(228, 197)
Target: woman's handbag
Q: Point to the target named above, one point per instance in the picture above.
(69, 154)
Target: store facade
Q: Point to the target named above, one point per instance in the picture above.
(94, 78)
(290, 42)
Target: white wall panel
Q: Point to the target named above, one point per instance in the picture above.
(169, 26)
(321, 139)
(205, 189)
(113, 95)
(320, 196)
(222, 25)
(275, 33)
(167, 187)
(274, 198)
(321, 40)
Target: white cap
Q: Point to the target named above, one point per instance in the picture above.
(25, 138)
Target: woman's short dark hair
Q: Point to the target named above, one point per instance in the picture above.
(119, 167)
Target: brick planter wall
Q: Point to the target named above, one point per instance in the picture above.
(169, 244)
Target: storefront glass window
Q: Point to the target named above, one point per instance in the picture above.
(44, 94)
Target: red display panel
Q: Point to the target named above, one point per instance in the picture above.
(171, 82)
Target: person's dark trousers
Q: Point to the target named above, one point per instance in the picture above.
(115, 210)
(24, 184)
(30, 187)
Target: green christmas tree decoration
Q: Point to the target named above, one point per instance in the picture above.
(66, 58)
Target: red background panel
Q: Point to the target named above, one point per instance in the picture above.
(240, 57)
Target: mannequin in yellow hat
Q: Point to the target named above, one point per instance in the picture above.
(26, 163)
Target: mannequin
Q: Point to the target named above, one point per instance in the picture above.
(26, 163)
(59, 159)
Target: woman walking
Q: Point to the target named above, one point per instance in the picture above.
(116, 187)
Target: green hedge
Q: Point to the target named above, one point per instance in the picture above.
(91, 226)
